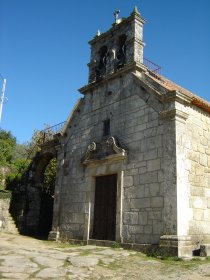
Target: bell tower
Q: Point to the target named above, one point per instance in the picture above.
(120, 46)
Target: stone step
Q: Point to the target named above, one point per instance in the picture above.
(9, 225)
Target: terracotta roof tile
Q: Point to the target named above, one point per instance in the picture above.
(196, 100)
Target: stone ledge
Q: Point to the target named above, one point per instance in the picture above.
(174, 114)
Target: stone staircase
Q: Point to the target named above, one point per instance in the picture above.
(7, 223)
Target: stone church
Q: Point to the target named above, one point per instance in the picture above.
(134, 157)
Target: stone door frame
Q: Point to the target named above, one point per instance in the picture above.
(103, 169)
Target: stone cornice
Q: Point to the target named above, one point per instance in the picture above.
(127, 68)
(178, 96)
(115, 27)
(173, 114)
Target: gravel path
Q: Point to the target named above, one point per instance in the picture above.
(27, 258)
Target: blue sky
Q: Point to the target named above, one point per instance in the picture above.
(44, 52)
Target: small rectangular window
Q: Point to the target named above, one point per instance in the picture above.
(107, 127)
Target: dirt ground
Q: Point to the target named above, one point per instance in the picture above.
(28, 258)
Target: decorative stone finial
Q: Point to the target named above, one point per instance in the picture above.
(135, 11)
(98, 33)
(116, 16)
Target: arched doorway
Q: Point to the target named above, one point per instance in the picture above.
(40, 193)
(47, 199)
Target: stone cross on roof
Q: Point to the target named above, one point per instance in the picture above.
(116, 15)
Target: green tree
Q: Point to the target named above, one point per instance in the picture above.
(20, 152)
(50, 176)
(22, 156)
(7, 144)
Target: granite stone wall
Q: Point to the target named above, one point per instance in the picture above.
(136, 123)
(193, 157)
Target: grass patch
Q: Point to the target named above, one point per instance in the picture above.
(56, 244)
(1, 276)
(67, 262)
(195, 260)
(114, 265)
(85, 252)
(101, 263)
(40, 267)
(116, 245)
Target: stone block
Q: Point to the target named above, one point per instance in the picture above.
(148, 229)
(153, 123)
(153, 165)
(201, 149)
(131, 172)
(141, 163)
(140, 127)
(142, 218)
(136, 180)
(154, 189)
(157, 227)
(134, 192)
(142, 170)
(155, 215)
(154, 142)
(137, 136)
(204, 140)
(157, 202)
(136, 229)
(194, 156)
(126, 205)
(198, 214)
(149, 132)
(203, 160)
(130, 218)
(77, 218)
(206, 214)
(198, 202)
(140, 203)
(207, 152)
(128, 181)
(197, 191)
(153, 116)
(150, 154)
(149, 177)
(199, 170)
(161, 176)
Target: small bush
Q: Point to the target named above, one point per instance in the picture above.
(5, 194)
(115, 245)
(152, 252)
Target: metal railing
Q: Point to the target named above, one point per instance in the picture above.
(154, 68)
(49, 132)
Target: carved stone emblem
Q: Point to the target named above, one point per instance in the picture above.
(107, 149)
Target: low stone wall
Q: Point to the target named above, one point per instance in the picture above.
(6, 221)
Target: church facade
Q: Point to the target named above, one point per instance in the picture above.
(134, 160)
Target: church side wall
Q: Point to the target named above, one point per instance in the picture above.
(193, 156)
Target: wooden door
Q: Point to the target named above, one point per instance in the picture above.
(104, 226)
